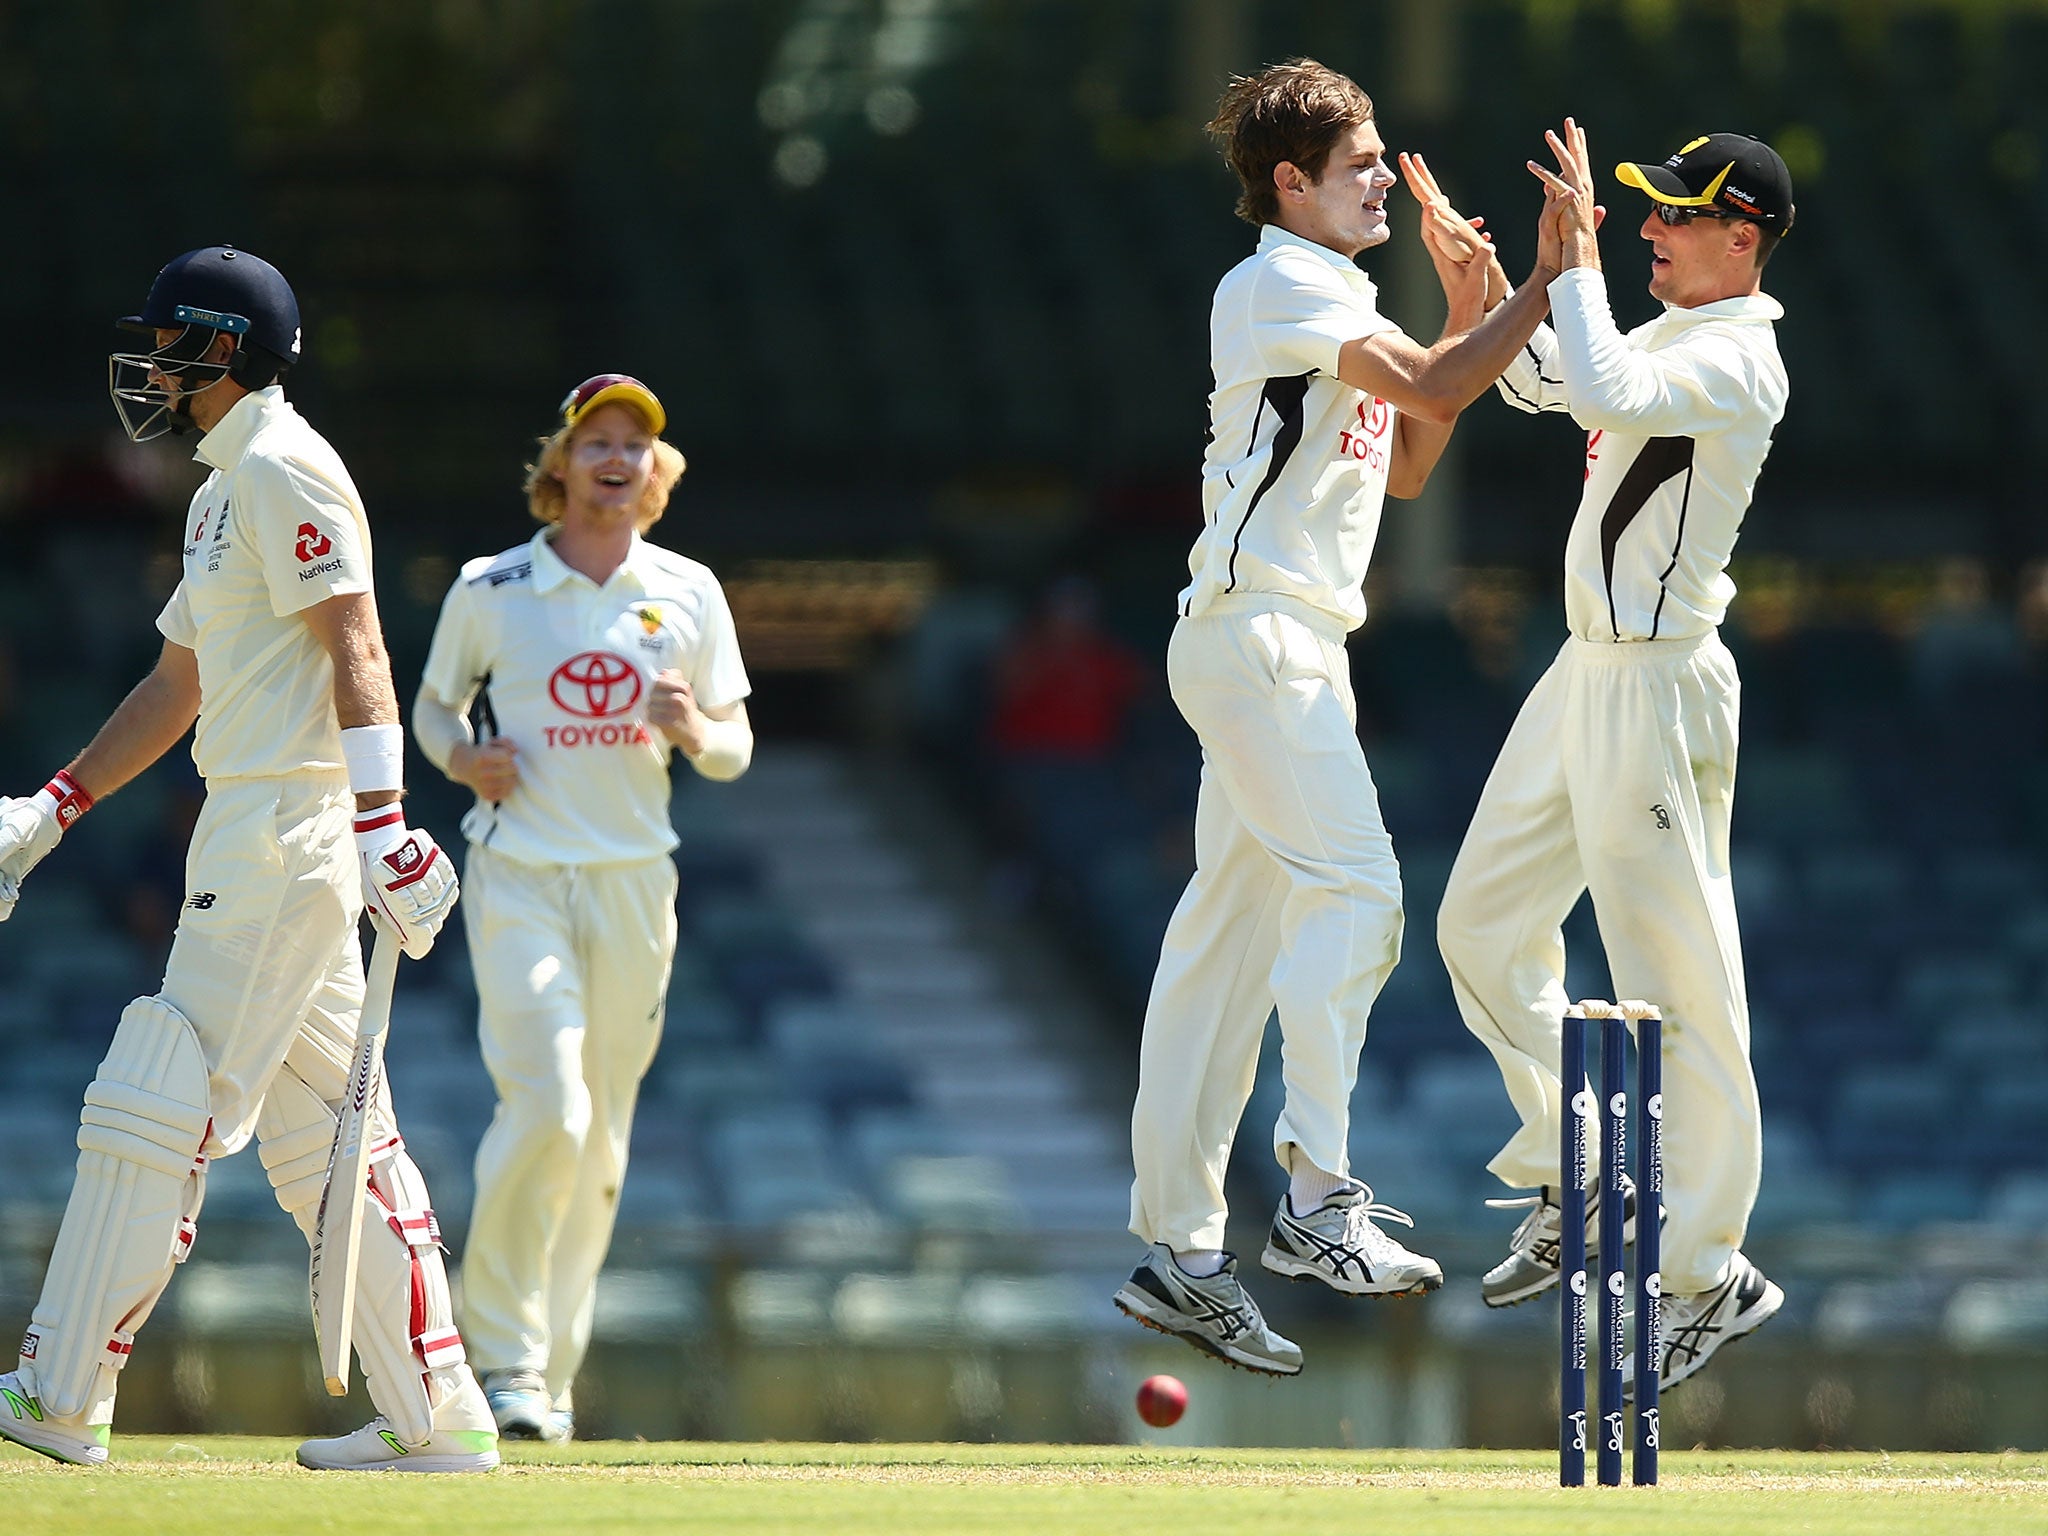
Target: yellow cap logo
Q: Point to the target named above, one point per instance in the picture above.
(1695, 144)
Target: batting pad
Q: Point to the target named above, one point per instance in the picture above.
(133, 1209)
(404, 1327)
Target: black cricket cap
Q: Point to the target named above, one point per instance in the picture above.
(1727, 171)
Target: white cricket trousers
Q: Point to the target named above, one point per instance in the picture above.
(572, 966)
(267, 970)
(1295, 904)
(1618, 777)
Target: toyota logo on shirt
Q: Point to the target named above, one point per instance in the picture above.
(595, 684)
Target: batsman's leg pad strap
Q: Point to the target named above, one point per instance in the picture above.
(405, 1322)
(133, 1210)
(417, 1228)
(404, 1327)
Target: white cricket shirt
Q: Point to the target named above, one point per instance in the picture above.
(276, 528)
(1678, 416)
(1297, 462)
(562, 667)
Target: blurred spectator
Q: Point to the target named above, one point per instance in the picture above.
(1064, 685)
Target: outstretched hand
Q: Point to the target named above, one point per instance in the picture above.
(1459, 248)
(1566, 227)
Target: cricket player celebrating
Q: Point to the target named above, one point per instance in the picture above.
(1619, 773)
(1321, 406)
(272, 644)
(591, 656)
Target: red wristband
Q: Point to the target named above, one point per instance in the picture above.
(70, 800)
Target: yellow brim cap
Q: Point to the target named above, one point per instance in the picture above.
(614, 389)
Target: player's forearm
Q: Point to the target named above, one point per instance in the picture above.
(1464, 367)
(1581, 249)
(440, 729)
(348, 630)
(1418, 445)
(725, 743)
(158, 711)
(1435, 383)
(363, 692)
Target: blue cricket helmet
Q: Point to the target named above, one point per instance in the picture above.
(201, 294)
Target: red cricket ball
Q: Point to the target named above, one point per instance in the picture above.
(1162, 1400)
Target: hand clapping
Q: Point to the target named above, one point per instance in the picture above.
(1565, 230)
(1458, 247)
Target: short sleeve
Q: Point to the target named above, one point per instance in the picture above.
(1302, 312)
(456, 659)
(312, 538)
(717, 675)
(175, 622)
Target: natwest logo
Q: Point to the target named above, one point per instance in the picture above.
(595, 684)
(313, 544)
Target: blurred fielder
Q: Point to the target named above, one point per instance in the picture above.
(1619, 774)
(1321, 407)
(591, 656)
(273, 645)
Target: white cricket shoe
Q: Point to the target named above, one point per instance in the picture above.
(24, 1421)
(1695, 1326)
(1531, 1267)
(376, 1448)
(520, 1405)
(1212, 1312)
(1340, 1244)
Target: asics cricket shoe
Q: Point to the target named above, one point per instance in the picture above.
(24, 1421)
(520, 1405)
(1531, 1266)
(1694, 1327)
(1212, 1312)
(1340, 1244)
(376, 1448)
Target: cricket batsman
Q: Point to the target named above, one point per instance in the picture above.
(273, 646)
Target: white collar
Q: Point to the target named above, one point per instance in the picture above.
(550, 570)
(1273, 237)
(231, 435)
(1754, 308)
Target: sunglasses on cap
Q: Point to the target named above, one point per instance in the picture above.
(607, 387)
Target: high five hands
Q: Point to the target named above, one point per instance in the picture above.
(1565, 230)
(1459, 248)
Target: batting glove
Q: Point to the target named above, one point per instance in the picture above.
(409, 885)
(30, 828)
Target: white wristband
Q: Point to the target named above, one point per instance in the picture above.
(375, 755)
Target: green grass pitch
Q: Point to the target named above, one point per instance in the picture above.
(251, 1486)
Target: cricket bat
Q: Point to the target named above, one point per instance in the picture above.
(338, 1237)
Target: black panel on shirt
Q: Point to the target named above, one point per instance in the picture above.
(1286, 397)
(1661, 459)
